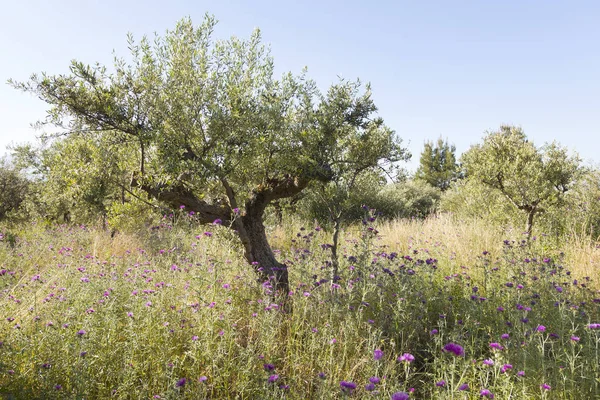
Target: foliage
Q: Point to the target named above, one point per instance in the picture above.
(531, 179)
(409, 199)
(74, 177)
(14, 189)
(437, 165)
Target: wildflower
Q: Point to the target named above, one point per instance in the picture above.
(433, 332)
(208, 234)
(486, 393)
(377, 354)
(521, 373)
(268, 367)
(505, 336)
(406, 357)
(202, 379)
(217, 221)
(195, 338)
(464, 387)
(496, 346)
(454, 348)
(370, 387)
(441, 383)
(333, 341)
(575, 338)
(488, 362)
(594, 326)
(400, 396)
(347, 387)
(322, 375)
(81, 332)
(506, 367)
(374, 379)
(273, 378)
(545, 386)
(541, 328)
(57, 387)
(181, 382)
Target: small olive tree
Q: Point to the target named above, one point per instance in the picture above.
(530, 178)
(212, 129)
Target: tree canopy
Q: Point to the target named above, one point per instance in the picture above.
(204, 124)
(437, 165)
(530, 178)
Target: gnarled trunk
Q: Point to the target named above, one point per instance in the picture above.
(249, 225)
(258, 252)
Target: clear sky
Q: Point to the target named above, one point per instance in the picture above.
(438, 68)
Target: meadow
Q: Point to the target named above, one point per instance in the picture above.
(422, 309)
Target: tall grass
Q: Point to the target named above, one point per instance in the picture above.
(176, 313)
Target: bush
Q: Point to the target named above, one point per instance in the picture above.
(14, 188)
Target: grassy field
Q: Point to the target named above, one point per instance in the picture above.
(434, 309)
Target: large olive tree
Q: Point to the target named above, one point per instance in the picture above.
(213, 130)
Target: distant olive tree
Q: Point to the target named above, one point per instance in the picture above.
(209, 127)
(530, 178)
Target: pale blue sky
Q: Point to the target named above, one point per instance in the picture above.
(450, 68)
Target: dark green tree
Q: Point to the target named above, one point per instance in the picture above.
(437, 165)
(210, 128)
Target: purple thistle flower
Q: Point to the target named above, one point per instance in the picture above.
(347, 386)
(370, 387)
(594, 326)
(377, 354)
(575, 338)
(496, 346)
(454, 348)
(268, 367)
(488, 362)
(463, 387)
(406, 357)
(81, 332)
(506, 367)
(545, 386)
(441, 383)
(433, 332)
(273, 378)
(521, 373)
(181, 382)
(322, 375)
(505, 336)
(486, 393)
(400, 396)
(374, 379)
(541, 328)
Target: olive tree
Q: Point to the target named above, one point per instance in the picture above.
(213, 129)
(530, 178)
